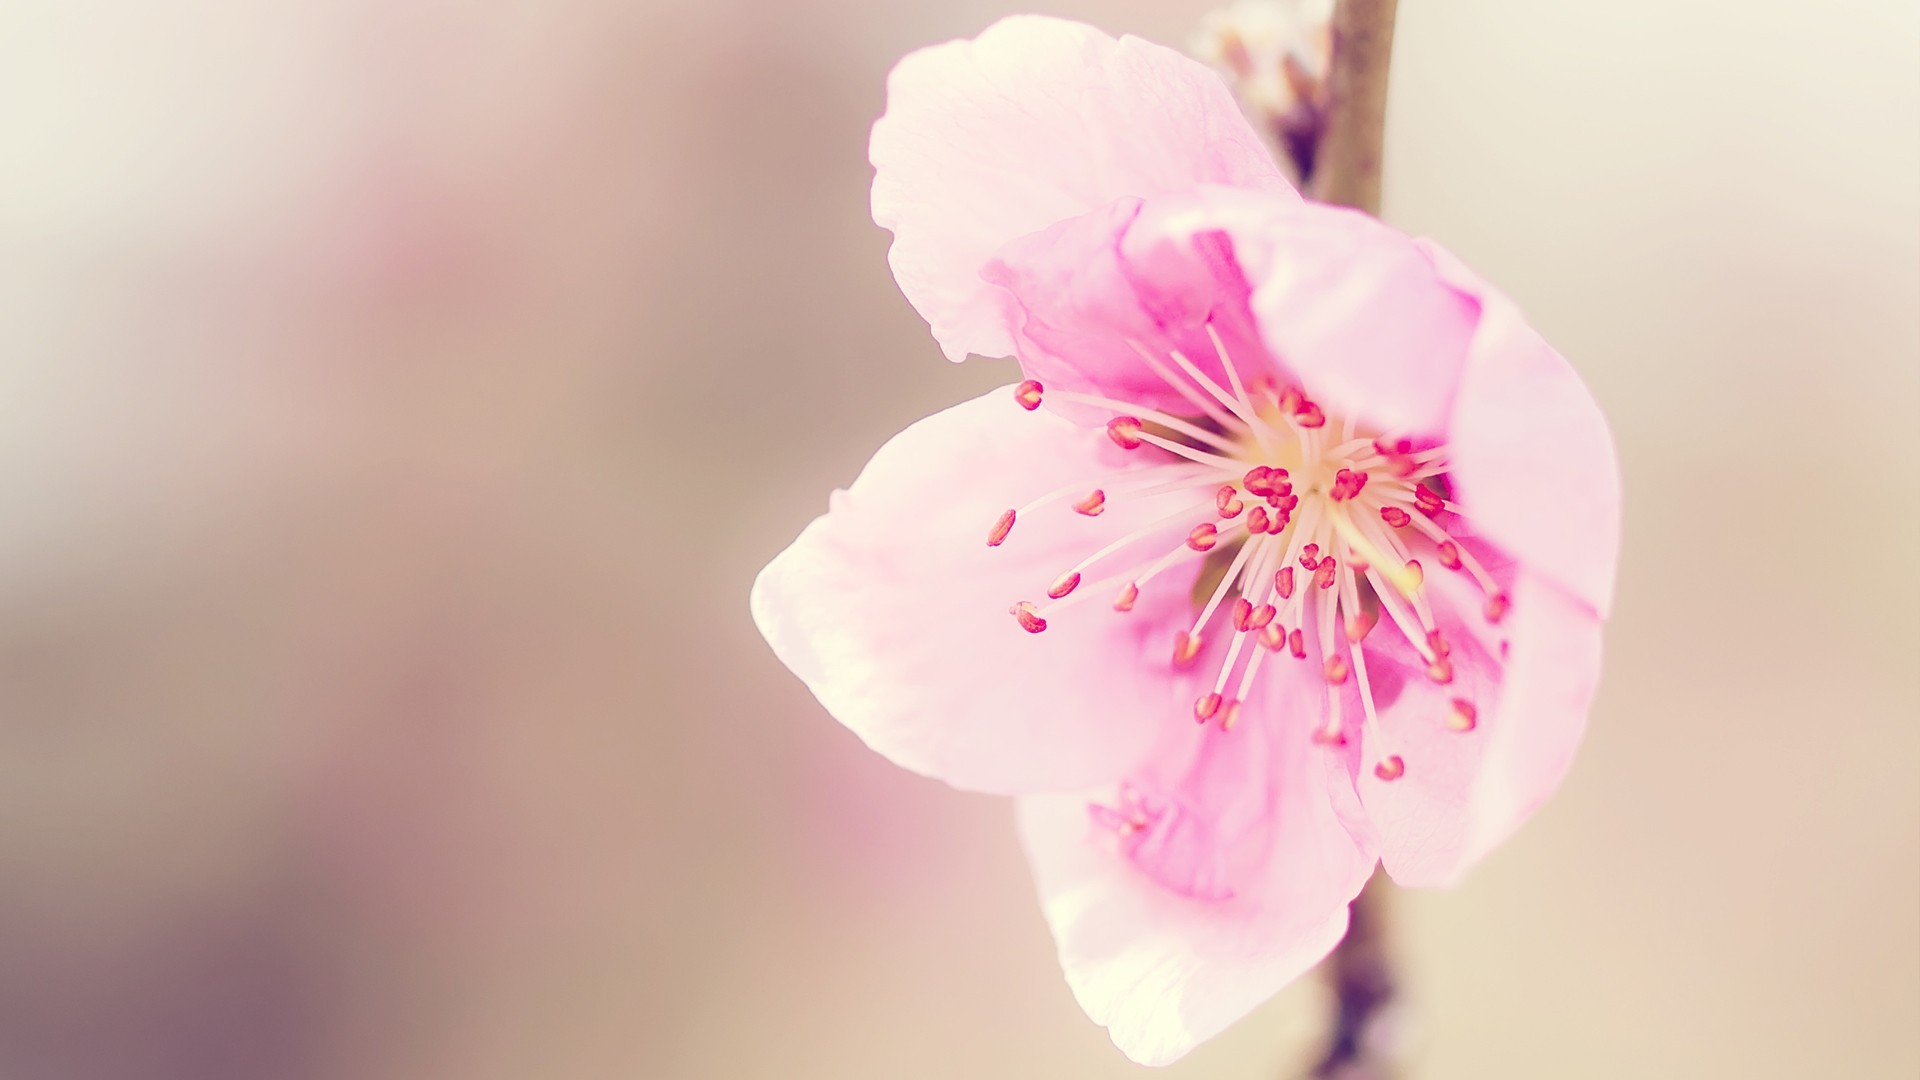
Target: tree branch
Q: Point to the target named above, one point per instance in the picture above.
(1360, 973)
(1346, 170)
(1346, 165)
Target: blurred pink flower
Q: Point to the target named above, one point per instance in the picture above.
(1275, 468)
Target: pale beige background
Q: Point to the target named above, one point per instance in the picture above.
(397, 399)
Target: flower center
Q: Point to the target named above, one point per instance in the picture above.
(1309, 532)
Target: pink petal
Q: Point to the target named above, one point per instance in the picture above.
(1351, 307)
(1164, 969)
(1358, 313)
(1318, 295)
(1553, 670)
(1095, 292)
(1425, 816)
(1034, 121)
(1465, 792)
(893, 609)
(1532, 458)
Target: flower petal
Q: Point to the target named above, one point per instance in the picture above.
(1553, 671)
(1464, 792)
(1356, 311)
(1424, 816)
(1166, 968)
(1093, 293)
(1034, 121)
(1531, 454)
(1324, 296)
(894, 610)
(1351, 308)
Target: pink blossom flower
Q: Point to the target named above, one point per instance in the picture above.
(1307, 537)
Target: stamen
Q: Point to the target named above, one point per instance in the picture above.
(1186, 646)
(1231, 716)
(1125, 432)
(1255, 571)
(1404, 617)
(1376, 735)
(1124, 602)
(1147, 483)
(1393, 768)
(1227, 501)
(1465, 554)
(1416, 597)
(1064, 584)
(1136, 535)
(1405, 460)
(1464, 717)
(1246, 676)
(1358, 536)
(1185, 451)
(1141, 483)
(1001, 528)
(1266, 480)
(1028, 394)
(1328, 613)
(1227, 582)
(1029, 619)
(1179, 552)
(1497, 607)
(1164, 419)
(1131, 574)
(1227, 665)
(1206, 706)
(1203, 536)
(1246, 411)
(1395, 516)
(1206, 404)
(1242, 611)
(1323, 577)
(1201, 380)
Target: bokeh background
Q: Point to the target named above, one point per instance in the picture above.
(397, 399)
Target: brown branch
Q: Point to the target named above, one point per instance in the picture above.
(1346, 164)
(1346, 170)
(1360, 1045)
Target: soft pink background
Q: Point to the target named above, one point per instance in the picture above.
(396, 400)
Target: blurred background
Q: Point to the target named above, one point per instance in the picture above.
(397, 399)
